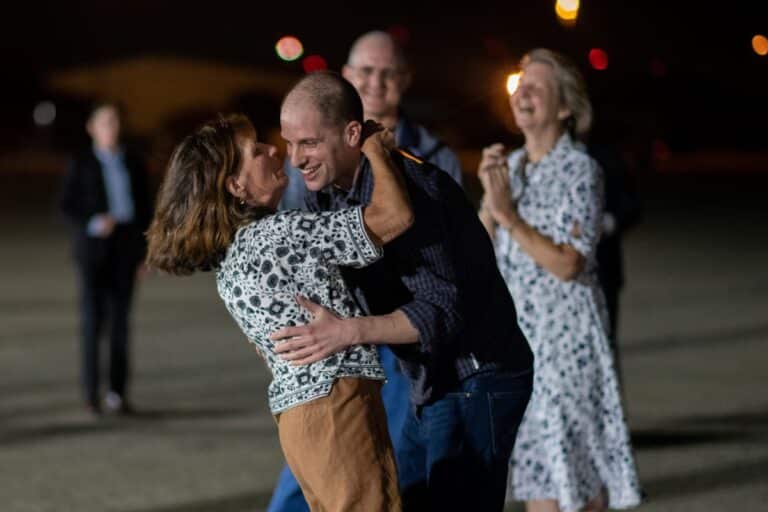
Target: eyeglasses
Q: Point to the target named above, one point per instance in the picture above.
(386, 74)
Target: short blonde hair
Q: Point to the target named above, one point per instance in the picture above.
(571, 85)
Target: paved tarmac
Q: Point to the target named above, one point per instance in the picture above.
(694, 335)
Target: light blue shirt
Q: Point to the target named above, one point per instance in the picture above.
(117, 182)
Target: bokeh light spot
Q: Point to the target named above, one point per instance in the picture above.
(513, 81)
(760, 45)
(289, 48)
(44, 113)
(312, 63)
(598, 59)
(567, 11)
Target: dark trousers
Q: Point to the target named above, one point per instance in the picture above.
(106, 290)
(454, 454)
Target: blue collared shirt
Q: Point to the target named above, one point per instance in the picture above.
(117, 183)
(442, 275)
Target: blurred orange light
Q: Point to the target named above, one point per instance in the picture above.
(598, 59)
(567, 10)
(513, 81)
(760, 45)
(289, 48)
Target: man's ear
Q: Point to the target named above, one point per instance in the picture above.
(353, 133)
(564, 113)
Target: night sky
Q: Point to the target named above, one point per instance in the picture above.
(712, 92)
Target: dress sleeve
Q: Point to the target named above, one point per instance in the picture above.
(579, 217)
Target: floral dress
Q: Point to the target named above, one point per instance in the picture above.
(573, 440)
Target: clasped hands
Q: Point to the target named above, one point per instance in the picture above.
(494, 177)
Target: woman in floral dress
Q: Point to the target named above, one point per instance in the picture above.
(542, 206)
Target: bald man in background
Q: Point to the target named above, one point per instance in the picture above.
(377, 67)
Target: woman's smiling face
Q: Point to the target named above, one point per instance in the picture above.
(536, 103)
(261, 174)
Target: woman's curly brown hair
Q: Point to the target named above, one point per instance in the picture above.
(196, 217)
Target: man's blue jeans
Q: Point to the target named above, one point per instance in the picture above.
(287, 496)
(455, 454)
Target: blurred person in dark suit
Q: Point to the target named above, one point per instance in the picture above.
(105, 196)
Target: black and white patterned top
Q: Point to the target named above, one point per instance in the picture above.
(272, 260)
(573, 440)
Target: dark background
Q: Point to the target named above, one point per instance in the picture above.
(710, 94)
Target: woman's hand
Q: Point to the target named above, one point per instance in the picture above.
(376, 138)
(494, 177)
(493, 156)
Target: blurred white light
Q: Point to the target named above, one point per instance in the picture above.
(44, 113)
(513, 81)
